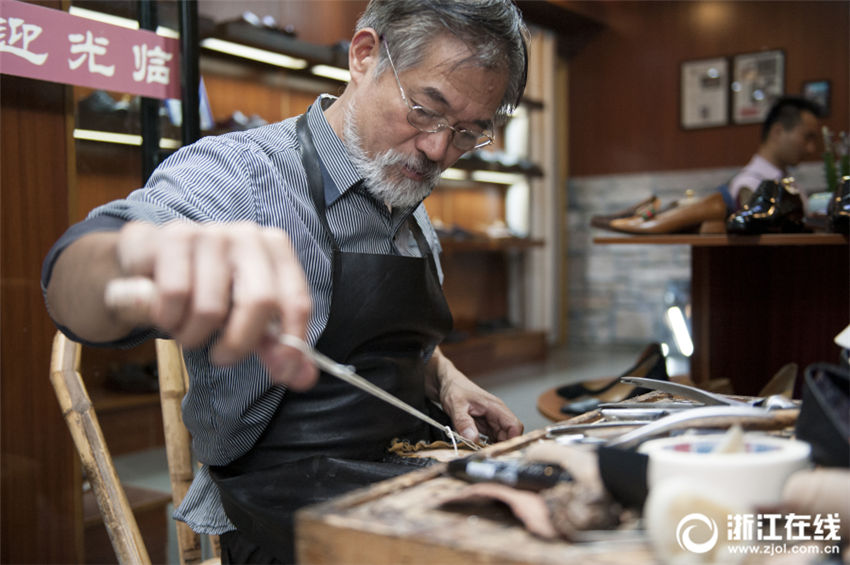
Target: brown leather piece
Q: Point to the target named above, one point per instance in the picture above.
(529, 507)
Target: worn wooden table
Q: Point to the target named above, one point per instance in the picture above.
(400, 521)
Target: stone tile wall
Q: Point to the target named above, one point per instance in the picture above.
(617, 294)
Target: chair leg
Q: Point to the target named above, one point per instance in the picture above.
(87, 435)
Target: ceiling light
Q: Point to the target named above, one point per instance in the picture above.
(454, 174)
(496, 177)
(334, 73)
(121, 138)
(253, 53)
(104, 18)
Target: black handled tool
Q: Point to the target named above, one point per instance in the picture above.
(526, 476)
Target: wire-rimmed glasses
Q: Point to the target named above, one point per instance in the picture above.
(428, 121)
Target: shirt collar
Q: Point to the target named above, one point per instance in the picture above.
(333, 154)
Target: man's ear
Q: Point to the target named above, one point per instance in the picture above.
(775, 131)
(363, 53)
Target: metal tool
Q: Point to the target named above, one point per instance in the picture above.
(694, 393)
(772, 402)
(557, 429)
(691, 417)
(136, 294)
(646, 414)
(673, 405)
(347, 374)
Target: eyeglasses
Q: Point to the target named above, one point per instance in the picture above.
(428, 121)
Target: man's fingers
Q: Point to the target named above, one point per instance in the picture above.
(236, 279)
(255, 303)
(174, 276)
(211, 294)
(292, 284)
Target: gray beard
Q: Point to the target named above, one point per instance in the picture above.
(380, 173)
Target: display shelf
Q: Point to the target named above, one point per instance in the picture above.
(494, 244)
(474, 162)
(726, 240)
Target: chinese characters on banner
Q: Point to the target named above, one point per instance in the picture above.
(45, 44)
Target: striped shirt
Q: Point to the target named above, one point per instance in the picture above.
(257, 176)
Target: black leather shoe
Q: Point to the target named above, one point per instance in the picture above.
(838, 209)
(651, 364)
(773, 208)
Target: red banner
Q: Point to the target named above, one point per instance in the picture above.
(52, 45)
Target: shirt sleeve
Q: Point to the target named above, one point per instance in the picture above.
(207, 181)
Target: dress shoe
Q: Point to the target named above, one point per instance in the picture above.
(706, 215)
(838, 210)
(646, 208)
(584, 397)
(774, 208)
(645, 366)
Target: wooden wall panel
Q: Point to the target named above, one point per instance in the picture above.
(40, 477)
(624, 85)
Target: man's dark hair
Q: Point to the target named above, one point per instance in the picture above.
(786, 111)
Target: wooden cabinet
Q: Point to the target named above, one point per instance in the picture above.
(759, 302)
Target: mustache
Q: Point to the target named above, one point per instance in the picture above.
(420, 164)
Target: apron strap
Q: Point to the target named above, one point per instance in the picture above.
(310, 162)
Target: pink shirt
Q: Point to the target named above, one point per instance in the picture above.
(757, 170)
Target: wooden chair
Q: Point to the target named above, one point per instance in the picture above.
(88, 438)
(173, 385)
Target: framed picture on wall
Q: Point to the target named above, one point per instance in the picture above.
(758, 79)
(703, 93)
(818, 91)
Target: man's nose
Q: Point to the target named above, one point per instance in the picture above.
(435, 145)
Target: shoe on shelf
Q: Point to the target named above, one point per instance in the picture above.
(775, 207)
(645, 208)
(706, 215)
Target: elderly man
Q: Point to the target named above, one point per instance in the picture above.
(316, 224)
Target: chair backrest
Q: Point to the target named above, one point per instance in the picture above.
(88, 438)
(173, 385)
(96, 460)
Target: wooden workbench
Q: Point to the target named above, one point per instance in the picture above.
(400, 521)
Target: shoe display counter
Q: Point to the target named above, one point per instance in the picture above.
(759, 302)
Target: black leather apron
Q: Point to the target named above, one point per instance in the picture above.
(387, 313)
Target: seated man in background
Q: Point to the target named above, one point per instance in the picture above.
(316, 224)
(789, 133)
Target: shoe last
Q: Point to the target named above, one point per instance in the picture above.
(838, 209)
(773, 208)
(677, 219)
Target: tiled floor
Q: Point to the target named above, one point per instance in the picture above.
(519, 387)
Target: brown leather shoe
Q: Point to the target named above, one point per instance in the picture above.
(709, 212)
(646, 208)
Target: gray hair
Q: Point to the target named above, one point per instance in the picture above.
(493, 30)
